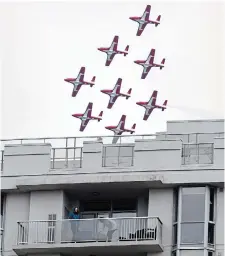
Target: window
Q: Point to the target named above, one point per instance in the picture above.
(192, 216)
(211, 233)
(192, 233)
(211, 204)
(92, 206)
(211, 224)
(124, 205)
(175, 215)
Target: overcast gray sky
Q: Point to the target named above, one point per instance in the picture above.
(43, 43)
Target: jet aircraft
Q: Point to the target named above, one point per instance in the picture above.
(149, 63)
(115, 93)
(144, 20)
(120, 128)
(151, 105)
(86, 116)
(112, 50)
(79, 81)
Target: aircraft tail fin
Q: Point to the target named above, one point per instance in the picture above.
(164, 105)
(126, 50)
(100, 116)
(128, 93)
(158, 20)
(133, 128)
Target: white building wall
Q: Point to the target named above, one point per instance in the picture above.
(161, 205)
(43, 203)
(16, 209)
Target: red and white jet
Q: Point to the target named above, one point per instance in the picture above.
(144, 20)
(151, 105)
(119, 129)
(149, 63)
(86, 116)
(79, 81)
(112, 50)
(115, 93)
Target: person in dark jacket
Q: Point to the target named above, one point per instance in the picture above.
(74, 216)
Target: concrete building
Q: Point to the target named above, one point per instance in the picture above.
(147, 195)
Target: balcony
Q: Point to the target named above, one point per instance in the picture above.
(137, 234)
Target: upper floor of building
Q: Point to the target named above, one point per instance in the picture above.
(187, 147)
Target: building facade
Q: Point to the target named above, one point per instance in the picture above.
(147, 195)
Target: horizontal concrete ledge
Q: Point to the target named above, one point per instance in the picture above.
(28, 144)
(92, 142)
(198, 120)
(90, 247)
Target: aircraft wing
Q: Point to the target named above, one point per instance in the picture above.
(88, 110)
(112, 100)
(117, 87)
(109, 59)
(76, 90)
(141, 28)
(83, 124)
(145, 72)
(114, 43)
(151, 56)
(80, 76)
(147, 113)
(152, 100)
(146, 13)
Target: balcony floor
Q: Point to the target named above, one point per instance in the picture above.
(90, 248)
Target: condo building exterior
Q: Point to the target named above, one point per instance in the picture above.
(146, 195)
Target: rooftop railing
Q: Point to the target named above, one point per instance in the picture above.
(65, 142)
(70, 158)
(90, 230)
(115, 156)
(201, 153)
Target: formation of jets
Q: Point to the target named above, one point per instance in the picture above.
(116, 91)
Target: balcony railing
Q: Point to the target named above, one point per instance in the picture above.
(201, 153)
(90, 230)
(69, 157)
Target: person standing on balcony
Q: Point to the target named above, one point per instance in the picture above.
(74, 215)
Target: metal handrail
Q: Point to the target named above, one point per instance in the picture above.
(63, 231)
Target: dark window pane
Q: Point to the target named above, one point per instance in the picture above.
(193, 208)
(96, 205)
(211, 233)
(211, 205)
(210, 253)
(175, 205)
(175, 234)
(192, 233)
(174, 253)
(124, 205)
